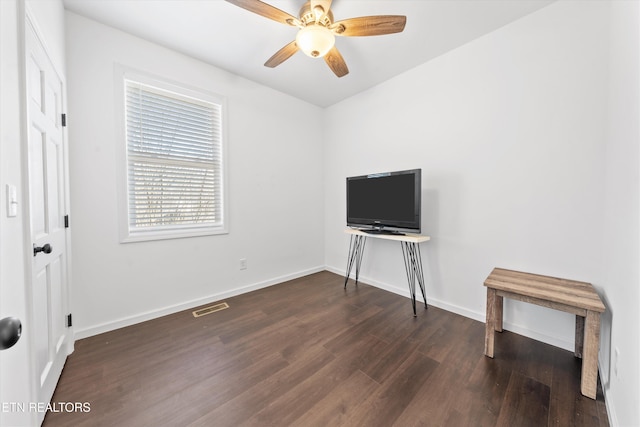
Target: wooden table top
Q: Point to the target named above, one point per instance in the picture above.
(569, 292)
(408, 237)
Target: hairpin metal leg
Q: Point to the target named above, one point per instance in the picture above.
(413, 267)
(356, 250)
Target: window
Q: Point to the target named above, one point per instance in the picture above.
(174, 161)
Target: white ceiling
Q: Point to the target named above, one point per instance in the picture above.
(239, 41)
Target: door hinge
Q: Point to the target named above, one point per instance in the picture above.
(64, 120)
(69, 321)
(66, 221)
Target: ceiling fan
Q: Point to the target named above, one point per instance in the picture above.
(316, 37)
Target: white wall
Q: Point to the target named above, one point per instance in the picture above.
(527, 139)
(508, 132)
(275, 176)
(511, 132)
(621, 324)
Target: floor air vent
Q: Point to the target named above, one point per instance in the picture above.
(211, 309)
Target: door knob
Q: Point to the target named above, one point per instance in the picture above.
(46, 249)
(10, 331)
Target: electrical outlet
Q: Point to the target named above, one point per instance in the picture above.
(243, 263)
(616, 359)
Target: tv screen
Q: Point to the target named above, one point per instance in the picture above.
(388, 202)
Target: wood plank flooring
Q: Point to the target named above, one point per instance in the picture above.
(308, 353)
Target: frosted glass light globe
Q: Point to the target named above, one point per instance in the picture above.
(315, 40)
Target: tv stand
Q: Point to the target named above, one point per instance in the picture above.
(410, 251)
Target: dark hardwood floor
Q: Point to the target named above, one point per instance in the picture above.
(308, 353)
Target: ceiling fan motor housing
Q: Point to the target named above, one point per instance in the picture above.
(308, 16)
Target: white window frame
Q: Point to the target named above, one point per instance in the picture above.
(127, 235)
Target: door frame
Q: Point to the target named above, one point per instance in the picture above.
(18, 360)
(18, 282)
(30, 23)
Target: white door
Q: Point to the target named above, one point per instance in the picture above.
(51, 336)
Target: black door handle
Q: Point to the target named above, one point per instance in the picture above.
(46, 249)
(10, 331)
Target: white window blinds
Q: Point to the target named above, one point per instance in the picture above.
(174, 160)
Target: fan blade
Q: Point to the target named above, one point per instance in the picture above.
(324, 4)
(266, 10)
(335, 61)
(370, 25)
(282, 55)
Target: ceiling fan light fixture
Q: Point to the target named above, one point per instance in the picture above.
(315, 40)
(317, 30)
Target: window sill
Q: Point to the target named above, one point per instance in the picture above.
(171, 234)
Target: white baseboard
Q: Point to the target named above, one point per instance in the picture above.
(143, 317)
(611, 413)
(481, 317)
(475, 315)
(404, 291)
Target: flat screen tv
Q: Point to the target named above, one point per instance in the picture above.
(388, 202)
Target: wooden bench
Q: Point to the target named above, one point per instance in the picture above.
(574, 297)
